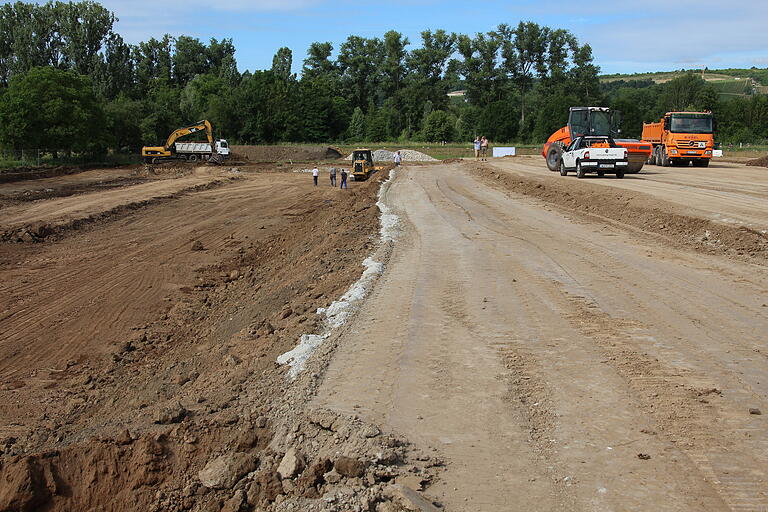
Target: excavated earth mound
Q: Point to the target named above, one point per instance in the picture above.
(283, 153)
(759, 162)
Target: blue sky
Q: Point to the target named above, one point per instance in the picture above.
(652, 35)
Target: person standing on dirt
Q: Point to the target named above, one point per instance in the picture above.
(343, 179)
(333, 176)
(484, 148)
(477, 148)
(398, 159)
(315, 174)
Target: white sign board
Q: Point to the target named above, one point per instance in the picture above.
(497, 152)
(717, 152)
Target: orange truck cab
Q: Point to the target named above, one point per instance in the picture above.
(597, 122)
(681, 138)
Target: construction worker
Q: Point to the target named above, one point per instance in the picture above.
(343, 179)
(315, 174)
(333, 176)
(398, 159)
(484, 148)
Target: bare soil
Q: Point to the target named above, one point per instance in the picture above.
(284, 153)
(535, 342)
(758, 162)
(560, 349)
(141, 348)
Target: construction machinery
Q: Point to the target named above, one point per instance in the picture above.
(681, 138)
(594, 122)
(215, 151)
(362, 164)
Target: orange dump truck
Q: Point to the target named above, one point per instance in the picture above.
(597, 122)
(681, 138)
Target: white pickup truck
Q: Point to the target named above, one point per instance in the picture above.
(593, 154)
(194, 151)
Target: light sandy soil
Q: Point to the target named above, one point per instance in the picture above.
(562, 363)
(725, 192)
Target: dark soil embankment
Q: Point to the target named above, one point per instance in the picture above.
(758, 162)
(283, 153)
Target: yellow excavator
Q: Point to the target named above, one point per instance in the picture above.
(214, 151)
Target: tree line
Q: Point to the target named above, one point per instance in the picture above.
(69, 81)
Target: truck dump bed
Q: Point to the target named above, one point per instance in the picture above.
(653, 132)
(193, 147)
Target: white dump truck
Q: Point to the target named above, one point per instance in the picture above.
(194, 151)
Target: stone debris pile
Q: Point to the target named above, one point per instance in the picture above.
(409, 155)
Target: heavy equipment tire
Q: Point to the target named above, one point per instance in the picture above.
(619, 175)
(700, 162)
(579, 171)
(563, 170)
(665, 161)
(554, 156)
(652, 158)
(192, 158)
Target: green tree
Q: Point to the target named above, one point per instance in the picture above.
(84, 27)
(52, 109)
(359, 63)
(190, 59)
(439, 126)
(356, 128)
(282, 63)
(318, 62)
(524, 57)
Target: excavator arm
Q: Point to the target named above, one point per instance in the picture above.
(193, 128)
(167, 152)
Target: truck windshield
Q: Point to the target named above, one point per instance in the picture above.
(691, 123)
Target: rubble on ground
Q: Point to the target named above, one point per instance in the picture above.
(408, 155)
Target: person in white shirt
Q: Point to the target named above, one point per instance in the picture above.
(398, 159)
(315, 174)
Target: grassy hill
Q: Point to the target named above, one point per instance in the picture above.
(728, 82)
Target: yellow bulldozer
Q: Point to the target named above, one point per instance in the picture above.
(362, 164)
(215, 151)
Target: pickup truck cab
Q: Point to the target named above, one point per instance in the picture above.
(600, 155)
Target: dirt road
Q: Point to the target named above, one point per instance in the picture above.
(725, 192)
(558, 362)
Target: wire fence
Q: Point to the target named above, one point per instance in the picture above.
(11, 158)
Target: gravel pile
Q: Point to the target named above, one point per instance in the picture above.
(409, 155)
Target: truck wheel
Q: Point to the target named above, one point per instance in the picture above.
(652, 158)
(665, 161)
(192, 158)
(554, 156)
(579, 171)
(563, 170)
(702, 162)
